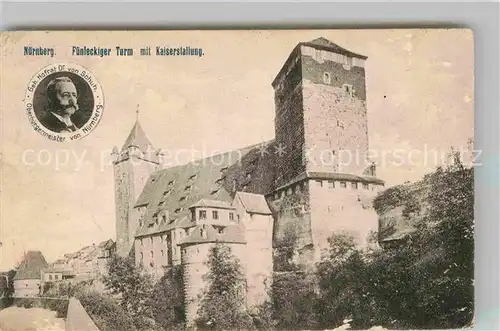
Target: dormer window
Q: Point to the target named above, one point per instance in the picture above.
(182, 199)
(187, 188)
(171, 183)
(327, 78)
(223, 169)
(192, 177)
(177, 210)
(214, 191)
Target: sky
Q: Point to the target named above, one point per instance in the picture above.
(419, 98)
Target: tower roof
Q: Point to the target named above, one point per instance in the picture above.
(323, 43)
(31, 266)
(137, 138)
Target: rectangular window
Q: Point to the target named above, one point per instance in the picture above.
(56, 277)
(162, 253)
(215, 215)
(343, 184)
(50, 277)
(331, 184)
(319, 183)
(354, 186)
(231, 216)
(203, 214)
(365, 186)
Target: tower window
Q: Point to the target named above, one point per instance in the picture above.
(215, 215)
(203, 214)
(327, 78)
(348, 89)
(231, 216)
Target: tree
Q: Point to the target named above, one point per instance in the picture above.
(167, 300)
(427, 281)
(293, 300)
(131, 287)
(222, 305)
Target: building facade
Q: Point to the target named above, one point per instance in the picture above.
(28, 278)
(314, 179)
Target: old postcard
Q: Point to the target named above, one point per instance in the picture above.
(237, 180)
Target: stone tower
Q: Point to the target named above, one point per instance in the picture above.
(323, 181)
(133, 165)
(320, 100)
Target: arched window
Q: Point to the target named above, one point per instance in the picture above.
(327, 78)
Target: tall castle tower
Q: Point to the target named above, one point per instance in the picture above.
(320, 100)
(133, 165)
(324, 181)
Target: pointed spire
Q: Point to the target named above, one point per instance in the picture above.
(137, 137)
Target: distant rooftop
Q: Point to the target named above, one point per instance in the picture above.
(31, 266)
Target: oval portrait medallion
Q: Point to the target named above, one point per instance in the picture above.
(64, 102)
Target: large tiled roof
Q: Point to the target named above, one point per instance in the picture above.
(31, 266)
(205, 233)
(217, 177)
(137, 138)
(254, 203)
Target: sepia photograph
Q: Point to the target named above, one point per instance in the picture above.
(237, 180)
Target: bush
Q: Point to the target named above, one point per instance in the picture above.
(105, 312)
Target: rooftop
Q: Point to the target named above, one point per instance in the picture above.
(31, 266)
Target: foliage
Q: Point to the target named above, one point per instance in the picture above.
(389, 199)
(167, 300)
(131, 287)
(426, 282)
(105, 312)
(222, 303)
(293, 300)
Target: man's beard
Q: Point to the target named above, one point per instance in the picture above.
(67, 109)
